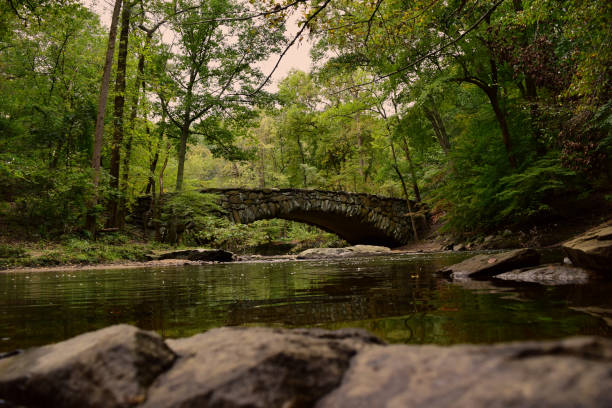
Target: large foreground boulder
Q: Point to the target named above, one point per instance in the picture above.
(112, 367)
(356, 250)
(551, 275)
(592, 249)
(256, 367)
(493, 264)
(569, 373)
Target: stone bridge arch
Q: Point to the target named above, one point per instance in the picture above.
(358, 218)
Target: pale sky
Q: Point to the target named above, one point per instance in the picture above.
(298, 57)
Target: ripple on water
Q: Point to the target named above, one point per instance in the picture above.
(398, 297)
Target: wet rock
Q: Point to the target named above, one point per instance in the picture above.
(111, 367)
(550, 275)
(569, 373)
(592, 250)
(494, 264)
(357, 250)
(209, 255)
(256, 367)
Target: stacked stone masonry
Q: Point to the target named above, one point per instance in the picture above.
(358, 218)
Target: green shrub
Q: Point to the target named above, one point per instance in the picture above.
(11, 251)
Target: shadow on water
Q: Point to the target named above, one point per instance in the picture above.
(400, 298)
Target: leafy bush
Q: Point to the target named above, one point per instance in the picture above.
(10, 251)
(186, 214)
(484, 199)
(48, 202)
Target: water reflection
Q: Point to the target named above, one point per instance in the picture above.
(399, 298)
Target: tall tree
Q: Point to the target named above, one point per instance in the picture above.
(99, 131)
(212, 73)
(118, 125)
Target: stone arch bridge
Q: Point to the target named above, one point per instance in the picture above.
(356, 217)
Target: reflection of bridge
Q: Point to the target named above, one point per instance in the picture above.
(357, 218)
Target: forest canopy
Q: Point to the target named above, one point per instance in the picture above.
(489, 113)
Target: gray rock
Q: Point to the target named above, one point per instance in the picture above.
(111, 367)
(356, 250)
(592, 249)
(459, 247)
(550, 275)
(122, 366)
(217, 255)
(568, 373)
(256, 367)
(494, 264)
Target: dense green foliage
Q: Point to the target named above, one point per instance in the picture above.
(491, 113)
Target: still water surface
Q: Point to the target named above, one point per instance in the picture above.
(400, 298)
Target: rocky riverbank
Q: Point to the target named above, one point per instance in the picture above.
(122, 366)
(589, 257)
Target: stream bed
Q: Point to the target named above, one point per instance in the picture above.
(400, 298)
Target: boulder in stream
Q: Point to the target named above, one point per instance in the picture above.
(257, 367)
(356, 250)
(550, 275)
(112, 367)
(568, 373)
(494, 264)
(210, 255)
(592, 250)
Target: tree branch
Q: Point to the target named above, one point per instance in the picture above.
(430, 54)
(370, 20)
(299, 33)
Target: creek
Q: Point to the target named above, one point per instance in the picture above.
(400, 298)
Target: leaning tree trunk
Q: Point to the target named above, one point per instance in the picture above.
(415, 185)
(113, 206)
(99, 132)
(403, 182)
(437, 124)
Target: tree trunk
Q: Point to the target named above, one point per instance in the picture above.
(500, 115)
(437, 124)
(184, 134)
(181, 156)
(153, 163)
(140, 84)
(124, 180)
(99, 132)
(301, 150)
(401, 177)
(362, 172)
(415, 185)
(262, 168)
(113, 206)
